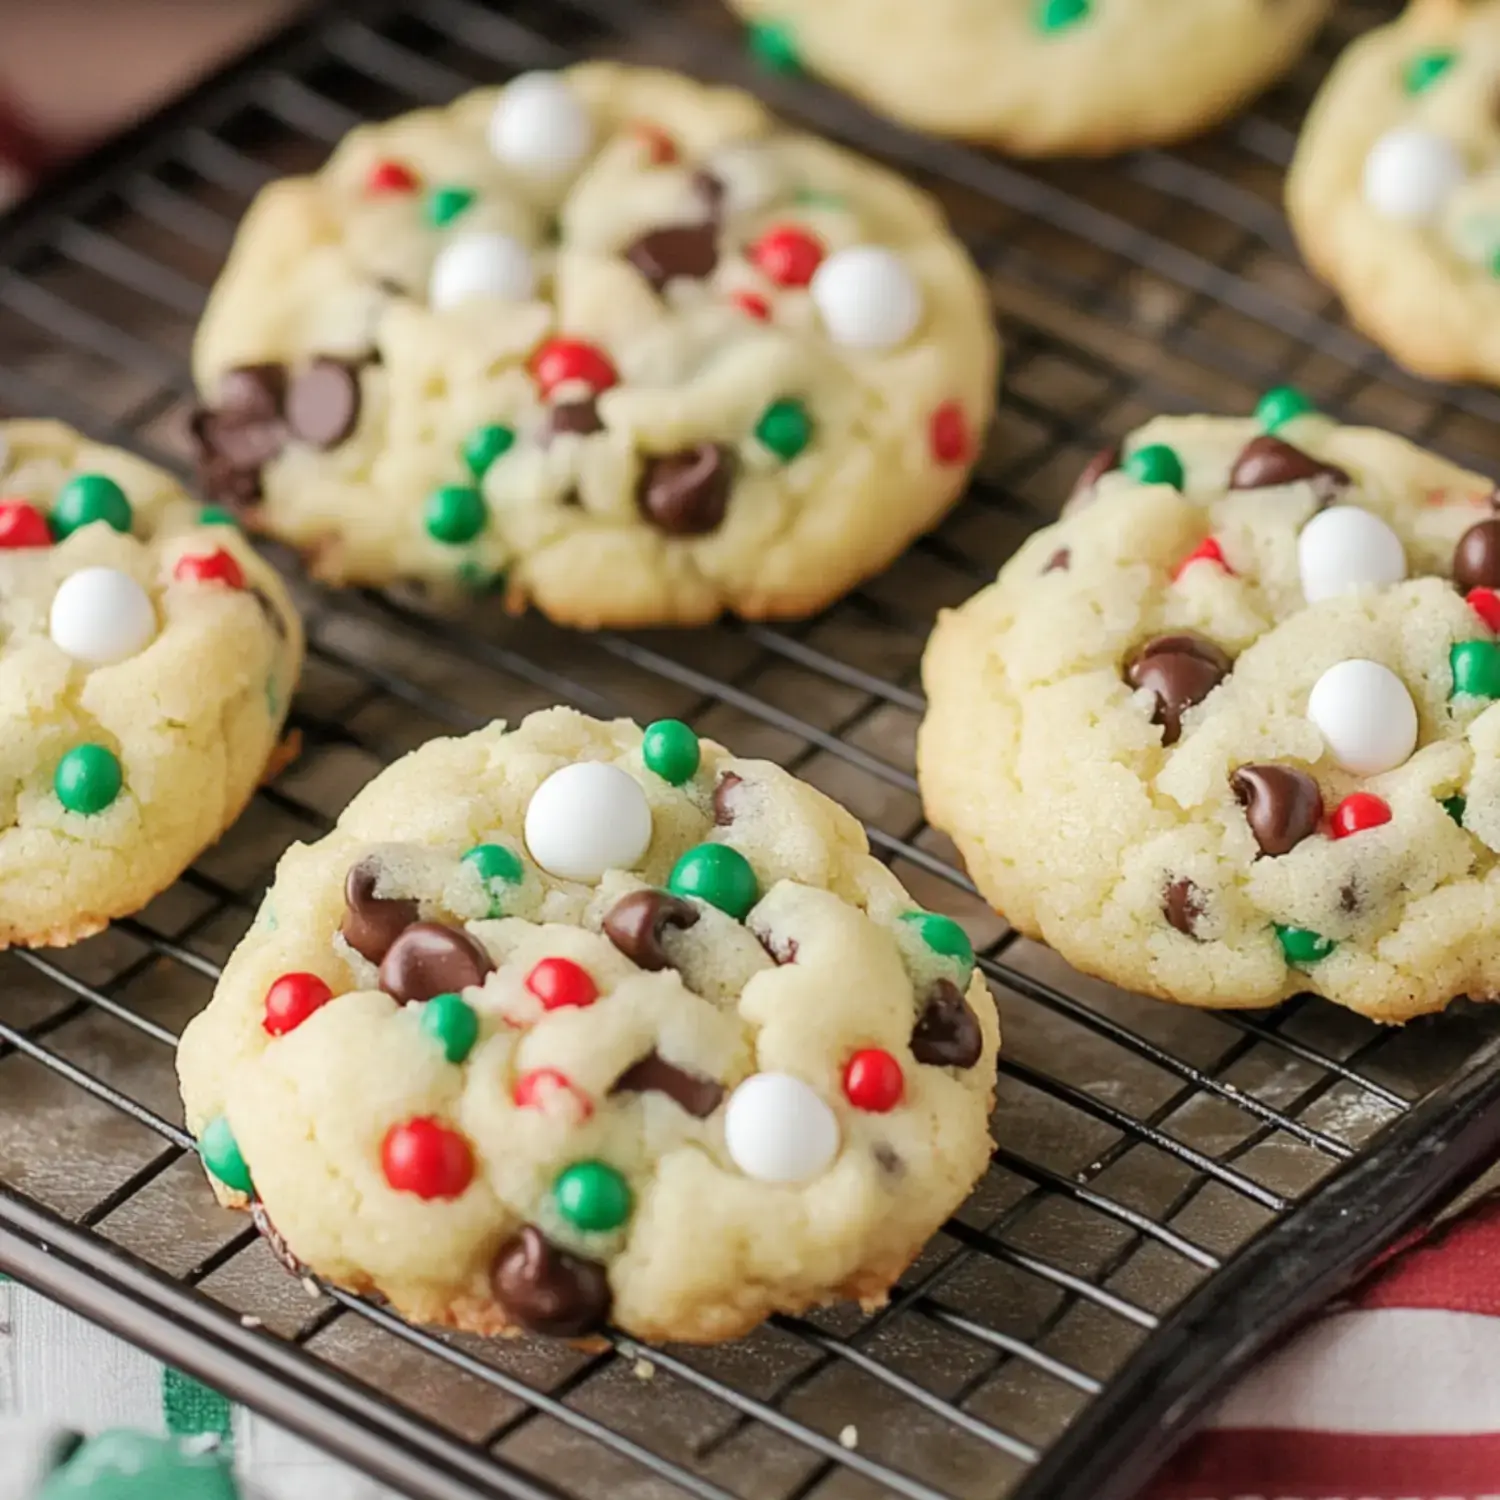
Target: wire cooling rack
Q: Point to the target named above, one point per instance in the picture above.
(1171, 1188)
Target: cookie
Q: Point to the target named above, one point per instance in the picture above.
(1228, 730)
(606, 340)
(577, 1025)
(1394, 193)
(147, 656)
(1042, 77)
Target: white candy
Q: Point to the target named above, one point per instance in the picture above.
(586, 819)
(540, 126)
(1365, 715)
(1410, 173)
(867, 298)
(778, 1130)
(481, 265)
(1344, 548)
(101, 615)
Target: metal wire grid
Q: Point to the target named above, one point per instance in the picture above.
(1142, 1148)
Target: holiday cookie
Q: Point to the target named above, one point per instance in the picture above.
(1229, 731)
(146, 659)
(1394, 192)
(1042, 77)
(579, 1025)
(604, 339)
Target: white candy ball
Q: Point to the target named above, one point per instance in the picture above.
(586, 819)
(778, 1130)
(540, 126)
(481, 265)
(1343, 548)
(1410, 173)
(101, 615)
(867, 298)
(1365, 715)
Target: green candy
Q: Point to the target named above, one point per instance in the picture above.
(719, 875)
(774, 47)
(1425, 69)
(123, 1465)
(592, 1196)
(1155, 464)
(221, 1155)
(455, 514)
(670, 749)
(1454, 807)
(484, 445)
(496, 866)
(216, 515)
(452, 1024)
(89, 498)
(784, 428)
(87, 779)
(1476, 668)
(478, 579)
(446, 204)
(1302, 946)
(1280, 405)
(943, 935)
(1057, 15)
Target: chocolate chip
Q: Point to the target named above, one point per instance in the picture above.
(579, 418)
(1476, 559)
(653, 1074)
(1182, 905)
(1349, 898)
(430, 959)
(275, 1243)
(1265, 461)
(372, 923)
(635, 924)
(947, 1033)
(545, 1289)
(1282, 805)
(322, 404)
(252, 392)
(710, 191)
(1181, 670)
(1060, 561)
(235, 439)
(690, 250)
(782, 949)
(724, 798)
(686, 493)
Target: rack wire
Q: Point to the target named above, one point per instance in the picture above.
(1171, 1188)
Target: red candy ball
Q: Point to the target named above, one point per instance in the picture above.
(391, 177)
(426, 1158)
(753, 304)
(1357, 812)
(536, 1089)
(557, 982)
(1208, 550)
(561, 360)
(212, 567)
(1486, 604)
(23, 525)
(873, 1081)
(660, 147)
(292, 999)
(788, 256)
(949, 434)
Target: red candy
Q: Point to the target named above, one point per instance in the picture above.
(949, 434)
(1486, 604)
(873, 1081)
(753, 304)
(1357, 812)
(426, 1158)
(391, 177)
(23, 525)
(212, 567)
(660, 147)
(561, 360)
(558, 982)
(291, 1000)
(1208, 550)
(540, 1087)
(788, 256)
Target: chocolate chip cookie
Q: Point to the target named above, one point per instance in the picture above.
(1228, 730)
(606, 340)
(582, 1025)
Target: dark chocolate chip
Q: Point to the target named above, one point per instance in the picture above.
(1182, 905)
(1282, 805)
(1265, 461)
(545, 1289)
(690, 250)
(1181, 670)
(947, 1033)
(430, 959)
(275, 1242)
(1476, 559)
(252, 392)
(322, 403)
(724, 798)
(653, 1074)
(687, 493)
(635, 924)
(235, 439)
(710, 191)
(1060, 561)
(372, 923)
(579, 418)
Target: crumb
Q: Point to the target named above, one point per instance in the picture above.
(249, 1320)
(849, 1437)
(644, 1370)
(311, 1287)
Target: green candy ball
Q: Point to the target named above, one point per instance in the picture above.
(1476, 668)
(452, 1024)
(1155, 464)
(446, 204)
(216, 515)
(774, 47)
(943, 935)
(89, 498)
(88, 778)
(123, 1465)
(497, 867)
(221, 1155)
(1454, 807)
(592, 1196)
(484, 445)
(784, 428)
(670, 749)
(1424, 70)
(719, 875)
(1057, 15)
(456, 513)
(1302, 946)
(1281, 405)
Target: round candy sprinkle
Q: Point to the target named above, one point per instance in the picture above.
(660, 148)
(1058, 15)
(88, 498)
(1476, 668)
(787, 255)
(1155, 464)
(1301, 945)
(784, 428)
(1280, 405)
(88, 778)
(670, 749)
(445, 204)
(1357, 812)
(486, 444)
(948, 434)
(1410, 173)
(1454, 807)
(943, 935)
(588, 818)
(1424, 70)
(291, 1000)
(1344, 548)
(719, 875)
(391, 177)
(773, 46)
(592, 1196)
(497, 867)
(543, 1087)
(1365, 715)
(559, 984)
(210, 567)
(452, 1023)
(427, 1159)
(23, 525)
(216, 515)
(1486, 604)
(1208, 550)
(873, 1081)
(101, 615)
(561, 360)
(454, 514)
(867, 298)
(221, 1155)
(540, 126)
(752, 304)
(481, 265)
(777, 1129)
